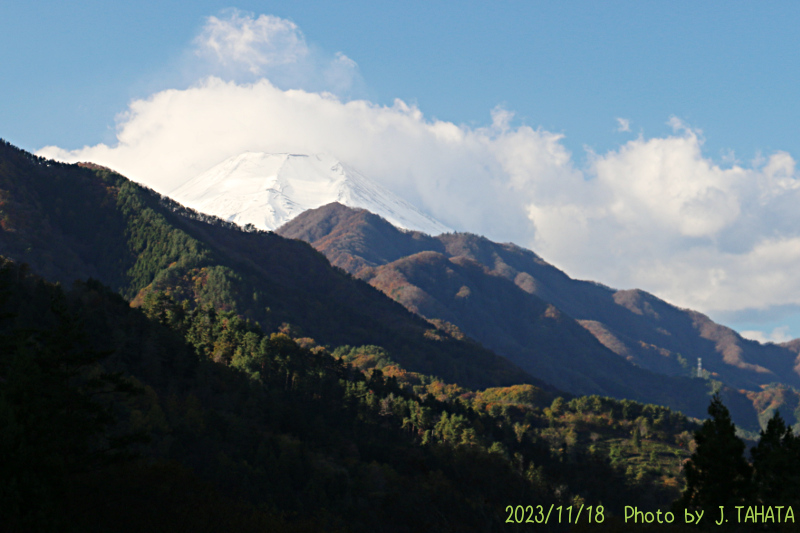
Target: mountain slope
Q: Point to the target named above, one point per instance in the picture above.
(267, 190)
(70, 222)
(561, 329)
(645, 329)
(286, 436)
(425, 275)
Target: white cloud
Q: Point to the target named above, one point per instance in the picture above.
(254, 43)
(655, 213)
(340, 74)
(241, 47)
(623, 124)
(448, 169)
(663, 217)
(778, 335)
(668, 183)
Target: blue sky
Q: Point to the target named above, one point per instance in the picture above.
(623, 133)
(570, 67)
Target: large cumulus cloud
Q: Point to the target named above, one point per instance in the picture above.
(655, 213)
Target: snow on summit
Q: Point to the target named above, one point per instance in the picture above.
(268, 190)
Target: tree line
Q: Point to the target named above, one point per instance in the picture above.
(719, 474)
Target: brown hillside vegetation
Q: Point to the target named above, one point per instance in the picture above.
(581, 336)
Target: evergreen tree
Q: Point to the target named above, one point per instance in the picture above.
(717, 472)
(58, 407)
(776, 464)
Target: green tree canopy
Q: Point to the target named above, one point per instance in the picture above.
(776, 464)
(717, 473)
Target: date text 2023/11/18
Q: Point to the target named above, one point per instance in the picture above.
(539, 514)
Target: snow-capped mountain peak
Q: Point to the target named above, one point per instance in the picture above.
(268, 190)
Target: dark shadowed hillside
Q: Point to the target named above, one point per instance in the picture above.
(125, 419)
(73, 222)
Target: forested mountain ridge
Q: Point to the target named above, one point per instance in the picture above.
(207, 406)
(568, 332)
(74, 222)
(122, 419)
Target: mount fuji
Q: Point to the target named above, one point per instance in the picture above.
(267, 190)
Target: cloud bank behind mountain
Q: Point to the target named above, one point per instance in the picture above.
(655, 213)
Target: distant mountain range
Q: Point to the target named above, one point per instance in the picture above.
(580, 336)
(268, 190)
